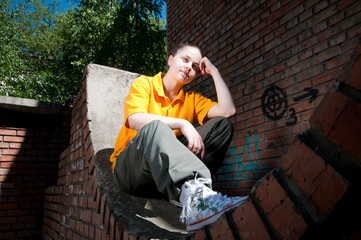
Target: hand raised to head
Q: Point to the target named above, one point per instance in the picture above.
(205, 66)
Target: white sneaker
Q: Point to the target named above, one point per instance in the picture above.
(203, 206)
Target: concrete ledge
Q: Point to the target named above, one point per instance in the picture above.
(151, 217)
(30, 105)
(106, 89)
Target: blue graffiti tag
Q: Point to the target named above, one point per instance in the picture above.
(239, 166)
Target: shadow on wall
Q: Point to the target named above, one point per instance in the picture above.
(30, 144)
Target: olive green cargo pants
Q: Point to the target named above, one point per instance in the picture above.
(155, 160)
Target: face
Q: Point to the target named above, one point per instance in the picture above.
(184, 65)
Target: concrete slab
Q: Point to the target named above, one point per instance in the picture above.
(152, 217)
(106, 91)
(30, 105)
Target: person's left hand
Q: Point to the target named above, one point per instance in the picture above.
(195, 142)
(205, 66)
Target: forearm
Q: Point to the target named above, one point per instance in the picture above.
(224, 96)
(225, 106)
(138, 120)
(195, 142)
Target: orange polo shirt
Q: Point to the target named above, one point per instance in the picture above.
(146, 95)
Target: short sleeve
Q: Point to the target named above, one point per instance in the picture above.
(202, 106)
(137, 99)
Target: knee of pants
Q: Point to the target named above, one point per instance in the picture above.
(151, 124)
(157, 130)
(224, 124)
(227, 123)
(157, 125)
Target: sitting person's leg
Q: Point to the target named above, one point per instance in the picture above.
(216, 134)
(202, 205)
(155, 160)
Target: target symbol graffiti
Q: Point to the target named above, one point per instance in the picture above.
(274, 103)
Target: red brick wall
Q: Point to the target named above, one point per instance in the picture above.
(291, 44)
(257, 44)
(70, 210)
(74, 209)
(310, 194)
(30, 145)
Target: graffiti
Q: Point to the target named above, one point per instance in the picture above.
(293, 117)
(245, 162)
(274, 107)
(310, 92)
(274, 103)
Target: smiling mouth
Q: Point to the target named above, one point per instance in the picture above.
(185, 73)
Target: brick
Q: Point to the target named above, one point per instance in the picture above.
(86, 215)
(279, 208)
(277, 133)
(9, 206)
(4, 171)
(325, 77)
(352, 74)
(14, 139)
(313, 176)
(112, 226)
(13, 152)
(106, 218)
(346, 131)
(286, 220)
(21, 133)
(329, 188)
(8, 235)
(4, 145)
(292, 13)
(325, 55)
(28, 233)
(255, 121)
(296, 164)
(20, 145)
(249, 223)
(328, 111)
(97, 218)
(344, 4)
(220, 229)
(296, 68)
(7, 132)
(18, 212)
(266, 194)
(337, 40)
(28, 218)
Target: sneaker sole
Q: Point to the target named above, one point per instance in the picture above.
(211, 219)
(176, 203)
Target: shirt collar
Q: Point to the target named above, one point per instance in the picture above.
(158, 84)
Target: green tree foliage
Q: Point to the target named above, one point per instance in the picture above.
(10, 60)
(43, 53)
(29, 51)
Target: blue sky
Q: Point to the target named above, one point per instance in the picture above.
(64, 4)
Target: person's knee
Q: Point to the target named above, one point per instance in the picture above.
(153, 123)
(156, 124)
(225, 124)
(156, 127)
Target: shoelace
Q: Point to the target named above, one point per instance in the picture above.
(191, 189)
